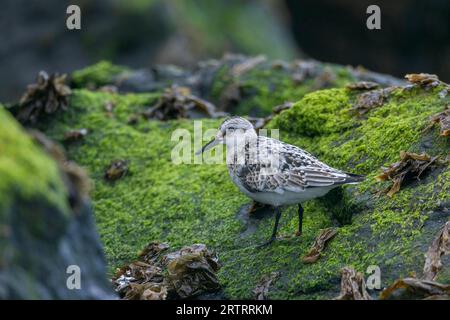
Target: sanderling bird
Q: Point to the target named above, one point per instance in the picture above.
(272, 172)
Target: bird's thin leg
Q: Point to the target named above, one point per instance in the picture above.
(300, 219)
(275, 228)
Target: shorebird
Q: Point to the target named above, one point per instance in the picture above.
(272, 172)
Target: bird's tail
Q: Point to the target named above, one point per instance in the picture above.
(354, 178)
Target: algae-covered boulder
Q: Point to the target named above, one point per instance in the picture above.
(44, 236)
(358, 129)
(235, 83)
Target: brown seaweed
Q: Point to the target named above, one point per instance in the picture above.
(74, 177)
(439, 247)
(353, 286)
(370, 100)
(424, 80)
(116, 170)
(411, 165)
(192, 270)
(319, 244)
(412, 288)
(178, 102)
(75, 135)
(158, 275)
(262, 288)
(443, 119)
(260, 123)
(48, 95)
(426, 287)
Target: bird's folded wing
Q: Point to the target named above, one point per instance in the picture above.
(293, 179)
(321, 176)
(284, 167)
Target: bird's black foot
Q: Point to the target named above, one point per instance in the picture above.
(267, 243)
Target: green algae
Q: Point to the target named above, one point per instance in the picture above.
(99, 74)
(26, 172)
(188, 203)
(160, 206)
(261, 88)
(391, 227)
(265, 87)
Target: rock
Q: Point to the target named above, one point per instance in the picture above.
(235, 83)
(191, 203)
(42, 233)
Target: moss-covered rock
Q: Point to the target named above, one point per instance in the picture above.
(26, 172)
(237, 84)
(189, 203)
(392, 233)
(40, 234)
(99, 74)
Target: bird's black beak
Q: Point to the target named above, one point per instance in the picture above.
(214, 142)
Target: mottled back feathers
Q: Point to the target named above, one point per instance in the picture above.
(269, 165)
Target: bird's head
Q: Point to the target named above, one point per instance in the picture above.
(232, 131)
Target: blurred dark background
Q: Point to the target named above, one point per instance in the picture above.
(415, 34)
